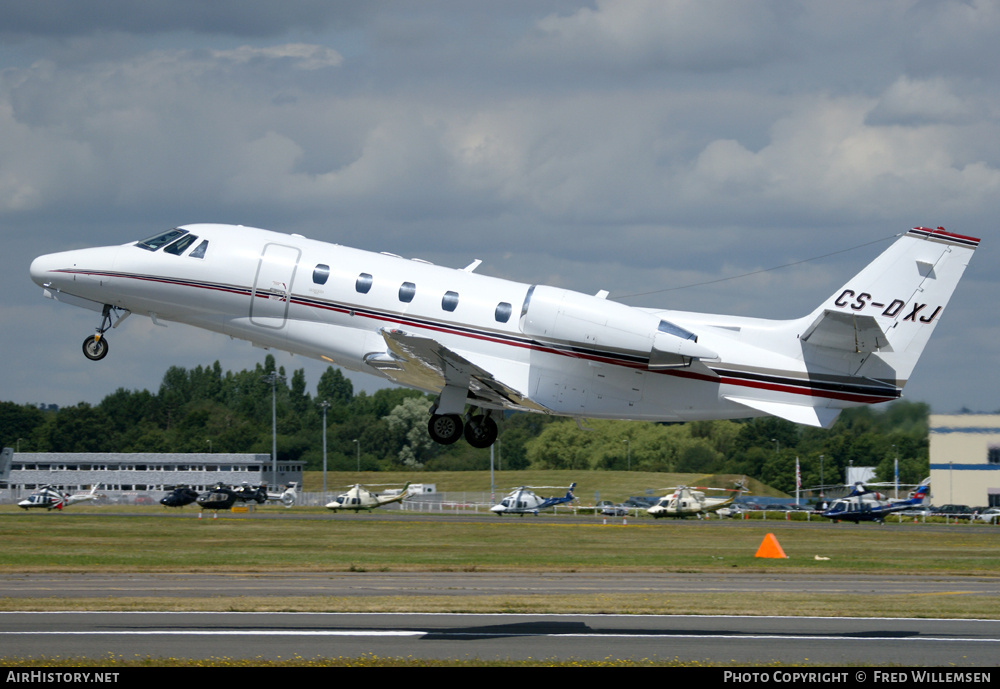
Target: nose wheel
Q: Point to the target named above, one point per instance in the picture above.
(95, 347)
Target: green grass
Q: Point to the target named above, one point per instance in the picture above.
(92, 541)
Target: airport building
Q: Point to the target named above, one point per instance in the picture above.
(965, 459)
(138, 473)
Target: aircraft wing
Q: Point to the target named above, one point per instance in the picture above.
(426, 364)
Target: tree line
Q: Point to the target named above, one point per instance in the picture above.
(207, 410)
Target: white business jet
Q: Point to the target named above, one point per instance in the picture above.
(483, 344)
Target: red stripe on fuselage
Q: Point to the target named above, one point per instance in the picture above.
(515, 341)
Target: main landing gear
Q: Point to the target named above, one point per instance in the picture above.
(95, 347)
(480, 430)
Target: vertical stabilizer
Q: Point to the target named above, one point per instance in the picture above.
(884, 316)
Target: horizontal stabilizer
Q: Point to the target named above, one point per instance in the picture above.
(847, 331)
(822, 417)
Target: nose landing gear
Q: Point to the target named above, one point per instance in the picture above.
(95, 347)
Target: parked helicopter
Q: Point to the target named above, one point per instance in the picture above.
(687, 501)
(360, 498)
(523, 501)
(179, 496)
(47, 497)
(51, 499)
(865, 505)
(219, 498)
(248, 493)
(287, 498)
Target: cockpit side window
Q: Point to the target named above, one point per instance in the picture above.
(156, 241)
(199, 251)
(181, 245)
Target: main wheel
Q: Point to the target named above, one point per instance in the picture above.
(481, 431)
(95, 348)
(445, 428)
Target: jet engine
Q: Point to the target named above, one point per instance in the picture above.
(573, 318)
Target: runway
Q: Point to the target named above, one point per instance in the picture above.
(348, 584)
(820, 641)
(743, 639)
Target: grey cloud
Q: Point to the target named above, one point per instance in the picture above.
(242, 18)
(626, 146)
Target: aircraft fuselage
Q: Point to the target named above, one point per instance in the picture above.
(485, 341)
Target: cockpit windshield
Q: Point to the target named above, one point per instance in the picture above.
(181, 245)
(176, 241)
(162, 239)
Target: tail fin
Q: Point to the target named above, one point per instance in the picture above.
(882, 318)
(922, 491)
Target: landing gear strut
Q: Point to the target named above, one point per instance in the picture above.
(95, 347)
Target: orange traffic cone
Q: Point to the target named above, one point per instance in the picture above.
(769, 547)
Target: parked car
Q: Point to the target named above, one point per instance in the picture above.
(957, 511)
(990, 515)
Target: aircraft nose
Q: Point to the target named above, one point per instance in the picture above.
(87, 266)
(42, 268)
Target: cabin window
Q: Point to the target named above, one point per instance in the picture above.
(503, 312)
(406, 292)
(449, 302)
(181, 245)
(321, 274)
(156, 241)
(364, 283)
(199, 251)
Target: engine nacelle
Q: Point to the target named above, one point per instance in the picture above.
(581, 319)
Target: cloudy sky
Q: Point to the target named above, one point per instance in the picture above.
(643, 147)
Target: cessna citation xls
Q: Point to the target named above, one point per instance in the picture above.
(483, 344)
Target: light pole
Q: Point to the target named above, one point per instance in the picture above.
(895, 471)
(325, 405)
(821, 476)
(273, 377)
(359, 454)
(628, 454)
